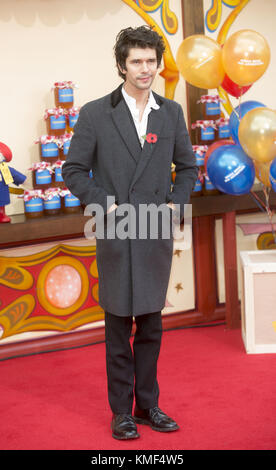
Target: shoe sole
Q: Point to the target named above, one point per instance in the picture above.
(125, 438)
(148, 423)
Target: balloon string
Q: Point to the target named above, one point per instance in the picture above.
(258, 201)
(240, 98)
(265, 208)
(238, 113)
(270, 212)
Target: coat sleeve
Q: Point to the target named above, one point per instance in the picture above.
(79, 161)
(186, 170)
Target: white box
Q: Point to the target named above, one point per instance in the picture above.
(258, 302)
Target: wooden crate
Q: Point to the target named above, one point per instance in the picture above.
(258, 303)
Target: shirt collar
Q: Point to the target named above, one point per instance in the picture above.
(132, 101)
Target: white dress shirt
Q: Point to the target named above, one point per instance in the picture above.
(141, 126)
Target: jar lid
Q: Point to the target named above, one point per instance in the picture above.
(200, 149)
(31, 194)
(74, 110)
(51, 192)
(210, 99)
(46, 139)
(41, 166)
(203, 124)
(222, 122)
(57, 112)
(65, 84)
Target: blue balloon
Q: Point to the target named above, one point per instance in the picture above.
(231, 170)
(234, 121)
(272, 174)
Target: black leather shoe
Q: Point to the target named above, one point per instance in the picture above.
(156, 419)
(123, 427)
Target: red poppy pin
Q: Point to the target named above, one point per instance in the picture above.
(150, 138)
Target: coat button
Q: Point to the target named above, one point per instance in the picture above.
(156, 191)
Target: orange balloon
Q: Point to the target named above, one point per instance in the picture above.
(199, 60)
(262, 172)
(245, 56)
(257, 134)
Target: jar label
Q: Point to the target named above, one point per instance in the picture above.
(71, 201)
(57, 122)
(49, 150)
(58, 175)
(65, 95)
(198, 186)
(73, 120)
(34, 205)
(43, 177)
(53, 203)
(66, 146)
(208, 133)
(208, 184)
(199, 159)
(212, 109)
(224, 132)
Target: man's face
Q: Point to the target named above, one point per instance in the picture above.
(141, 68)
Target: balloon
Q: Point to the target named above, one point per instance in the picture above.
(272, 174)
(232, 88)
(245, 56)
(231, 170)
(213, 146)
(262, 172)
(257, 134)
(199, 60)
(234, 121)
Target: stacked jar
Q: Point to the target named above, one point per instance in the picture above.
(199, 151)
(63, 143)
(54, 146)
(49, 150)
(57, 175)
(209, 129)
(41, 175)
(72, 117)
(69, 203)
(210, 107)
(52, 201)
(33, 203)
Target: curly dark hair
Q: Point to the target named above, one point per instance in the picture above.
(142, 37)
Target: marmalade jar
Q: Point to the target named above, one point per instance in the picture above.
(55, 121)
(64, 94)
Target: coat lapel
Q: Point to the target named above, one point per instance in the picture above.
(156, 121)
(124, 123)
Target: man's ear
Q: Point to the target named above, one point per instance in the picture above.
(121, 69)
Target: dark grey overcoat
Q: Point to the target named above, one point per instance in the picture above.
(133, 273)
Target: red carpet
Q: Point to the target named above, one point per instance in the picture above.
(221, 397)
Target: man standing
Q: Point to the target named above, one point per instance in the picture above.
(129, 139)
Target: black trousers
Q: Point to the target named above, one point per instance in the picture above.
(132, 372)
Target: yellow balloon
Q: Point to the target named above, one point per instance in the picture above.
(262, 172)
(199, 60)
(257, 134)
(245, 56)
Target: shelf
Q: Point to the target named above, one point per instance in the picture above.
(23, 231)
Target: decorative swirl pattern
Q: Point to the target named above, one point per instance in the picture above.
(169, 19)
(213, 15)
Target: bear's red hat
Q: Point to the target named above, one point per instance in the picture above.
(6, 151)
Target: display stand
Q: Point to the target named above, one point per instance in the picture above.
(206, 210)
